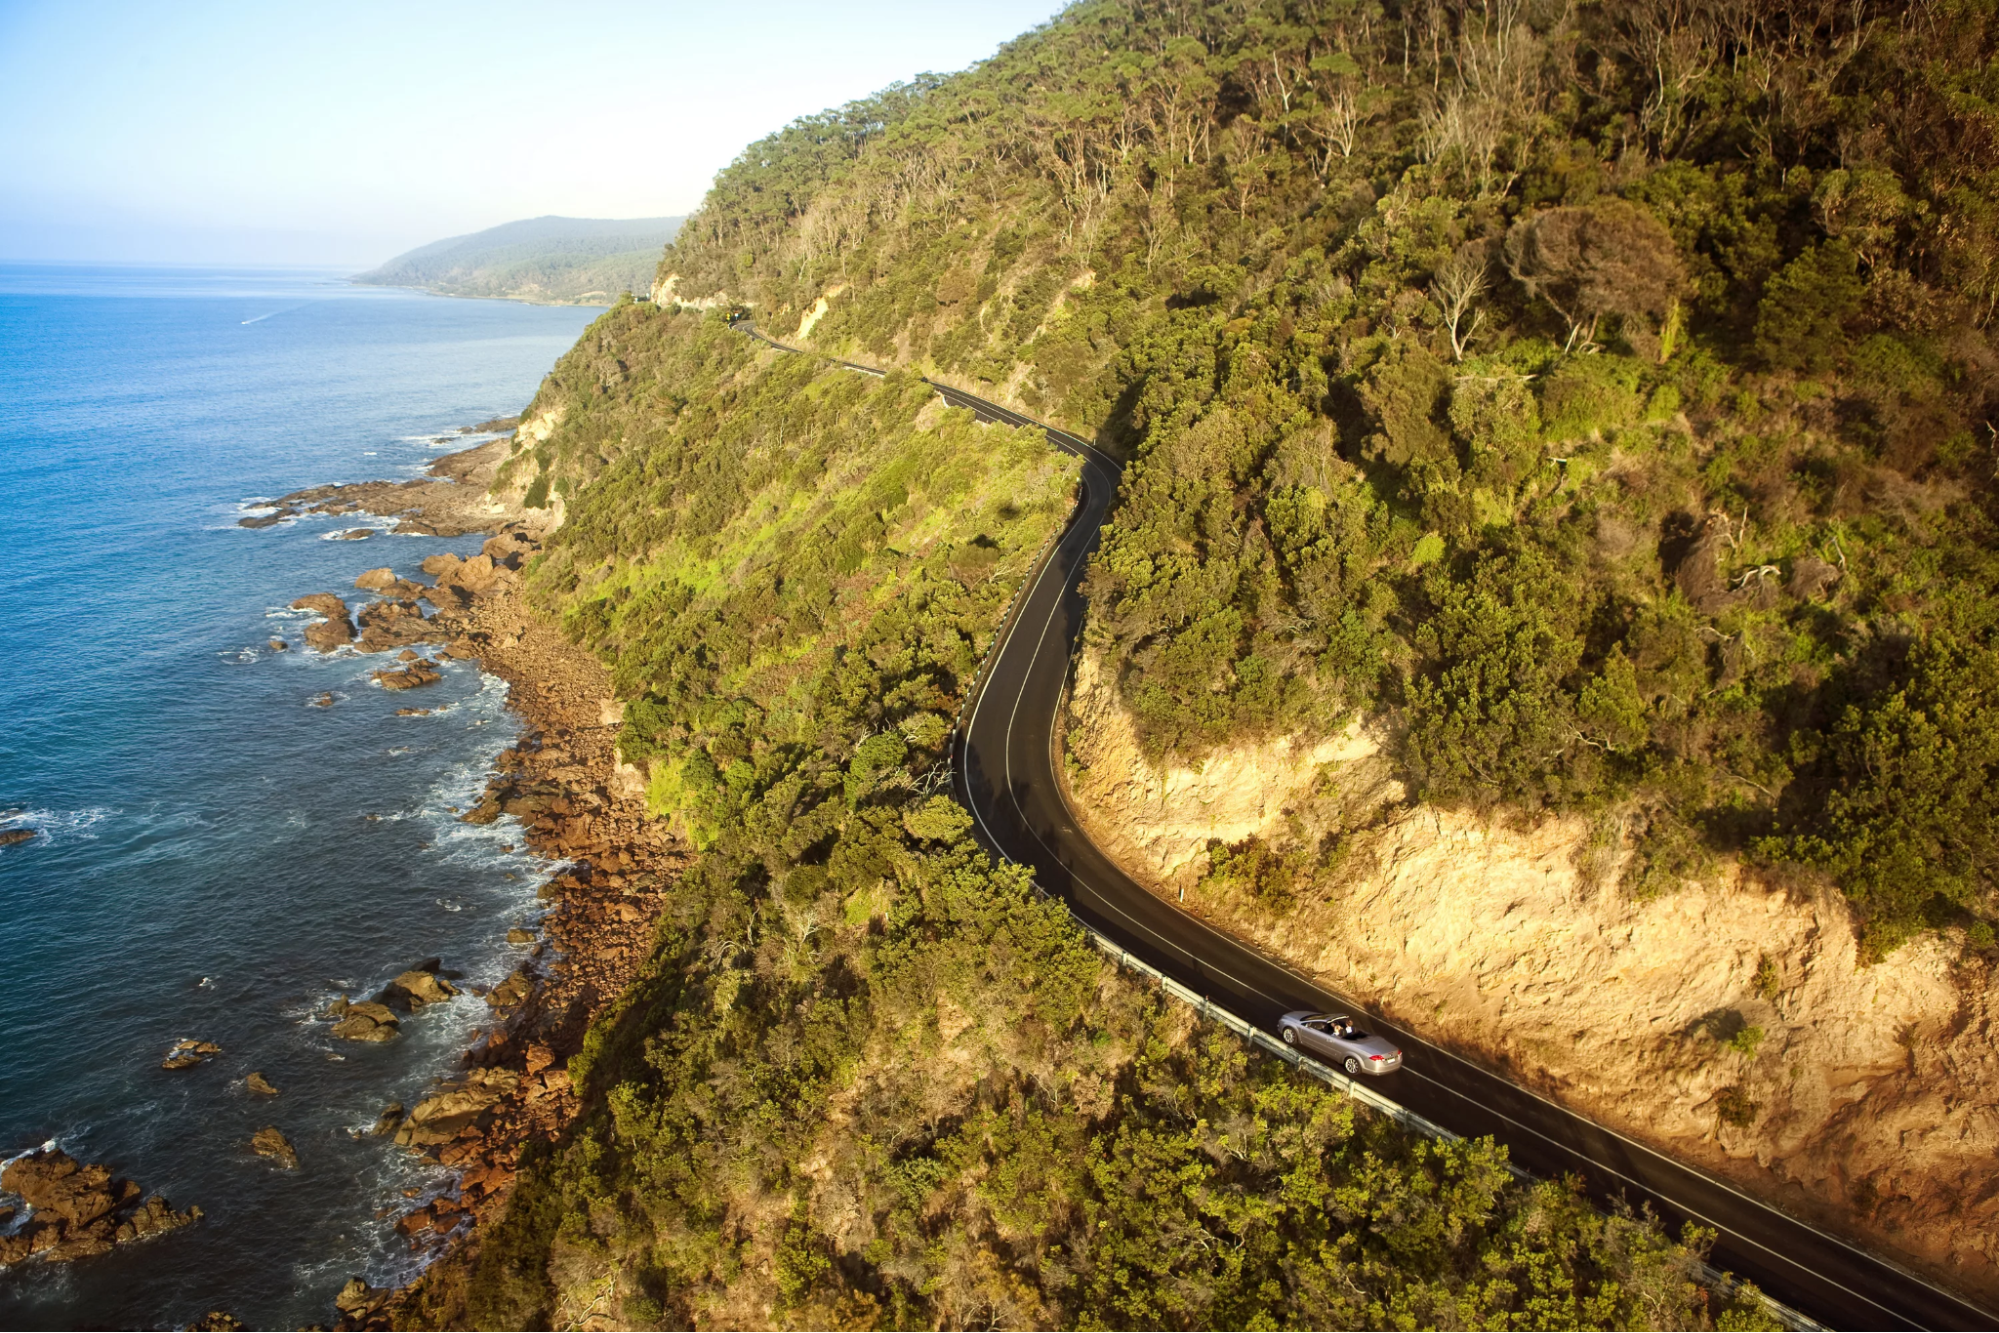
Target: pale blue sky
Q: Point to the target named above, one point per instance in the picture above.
(343, 133)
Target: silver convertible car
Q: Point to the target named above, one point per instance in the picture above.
(1335, 1039)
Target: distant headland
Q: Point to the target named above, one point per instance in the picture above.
(546, 260)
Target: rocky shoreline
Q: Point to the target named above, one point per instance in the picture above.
(562, 781)
(576, 806)
(78, 1209)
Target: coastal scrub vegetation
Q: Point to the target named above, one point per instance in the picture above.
(868, 1078)
(1600, 397)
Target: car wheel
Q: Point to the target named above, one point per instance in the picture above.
(1290, 1036)
(1353, 1065)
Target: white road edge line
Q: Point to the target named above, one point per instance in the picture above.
(1081, 448)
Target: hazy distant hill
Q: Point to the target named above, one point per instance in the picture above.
(555, 261)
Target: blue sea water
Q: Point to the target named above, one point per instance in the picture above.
(213, 857)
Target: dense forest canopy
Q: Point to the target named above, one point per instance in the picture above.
(1600, 396)
(868, 1078)
(1595, 399)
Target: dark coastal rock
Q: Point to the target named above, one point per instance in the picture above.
(267, 520)
(260, 1085)
(510, 992)
(335, 631)
(474, 577)
(321, 700)
(385, 1124)
(366, 1021)
(416, 988)
(187, 1053)
(445, 1113)
(216, 1321)
(8, 837)
(358, 1302)
(396, 624)
(355, 535)
(268, 1142)
(416, 674)
(79, 1210)
(448, 597)
(507, 549)
(280, 646)
(486, 812)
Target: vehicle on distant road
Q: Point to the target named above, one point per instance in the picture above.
(1335, 1038)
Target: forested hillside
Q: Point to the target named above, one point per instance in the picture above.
(1599, 397)
(549, 261)
(868, 1078)
(1595, 398)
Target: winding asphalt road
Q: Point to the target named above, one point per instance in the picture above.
(1006, 775)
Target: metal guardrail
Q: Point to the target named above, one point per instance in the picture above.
(1714, 1278)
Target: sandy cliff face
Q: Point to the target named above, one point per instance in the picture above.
(1871, 1100)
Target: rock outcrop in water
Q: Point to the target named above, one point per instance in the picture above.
(440, 1117)
(397, 624)
(360, 1304)
(269, 1142)
(364, 1021)
(79, 1210)
(457, 497)
(421, 985)
(416, 674)
(188, 1052)
(563, 782)
(336, 631)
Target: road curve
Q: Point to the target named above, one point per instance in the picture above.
(1007, 776)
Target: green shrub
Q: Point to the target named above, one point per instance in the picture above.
(1802, 319)
(1734, 1106)
(1252, 866)
(1670, 852)
(1588, 394)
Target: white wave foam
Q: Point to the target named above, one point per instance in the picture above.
(56, 825)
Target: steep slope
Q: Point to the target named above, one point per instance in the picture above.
(867, 1077)
(546, 260)
(1596, 403)
(1591, 400)
(1601, 396)
(1728, 1023)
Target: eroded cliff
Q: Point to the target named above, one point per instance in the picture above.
(1730, 1022)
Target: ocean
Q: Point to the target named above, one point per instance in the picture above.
(214, 857)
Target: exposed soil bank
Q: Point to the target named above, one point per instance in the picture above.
(1868, 1104)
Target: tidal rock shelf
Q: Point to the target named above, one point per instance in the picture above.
(77, 1210)
(576, 804)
